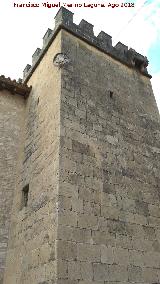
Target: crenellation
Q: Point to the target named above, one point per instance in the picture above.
(80, 164)
(64, 20)
(26, 70)
(86, 28)
(36, 55)
(123, 49)
(47, 37)
(104, 40)
(63, 16)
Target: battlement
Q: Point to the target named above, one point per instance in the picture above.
(64, 20)
(15, 87)
(79, 166)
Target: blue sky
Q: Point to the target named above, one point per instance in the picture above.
(22, 31)
(154, 55)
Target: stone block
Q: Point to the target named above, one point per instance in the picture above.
(77, 205)
(81, 235)
(81, 148)
(68, 189)
(87, 221)
(86, 271)
(154, 210)
(100, 272)
(67, 217)
(64, 233)
(62, 268)
(66, 250)
(107, 254)
(110, 212)
(88, 252)
(150, 275)
(135, 274)
(74, 271)
(142, 208)
(121, 256)
(103, 238)
(118, 273)
(149, 233)
(92, 208)
(136, 258)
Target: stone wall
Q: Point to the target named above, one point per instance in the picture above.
(31, 253)
(11, 121)
(86, 203)
(109, 213)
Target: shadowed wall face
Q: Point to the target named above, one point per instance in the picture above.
(11, 121)
(109, 213)
(86, 203)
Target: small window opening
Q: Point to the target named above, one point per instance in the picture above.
(25, 192)
(37, 101)
(111, 94)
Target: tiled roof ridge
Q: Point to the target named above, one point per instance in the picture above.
(15, 87)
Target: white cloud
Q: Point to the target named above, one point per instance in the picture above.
(143, 29)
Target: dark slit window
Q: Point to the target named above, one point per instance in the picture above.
(25, 192)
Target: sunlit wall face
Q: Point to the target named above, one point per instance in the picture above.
(138, 27)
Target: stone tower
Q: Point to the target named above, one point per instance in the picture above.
(86, 160)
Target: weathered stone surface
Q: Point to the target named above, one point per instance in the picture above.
(11, 122)
(32, 246)
(90, 154)
(113, 173)
(64, 19)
